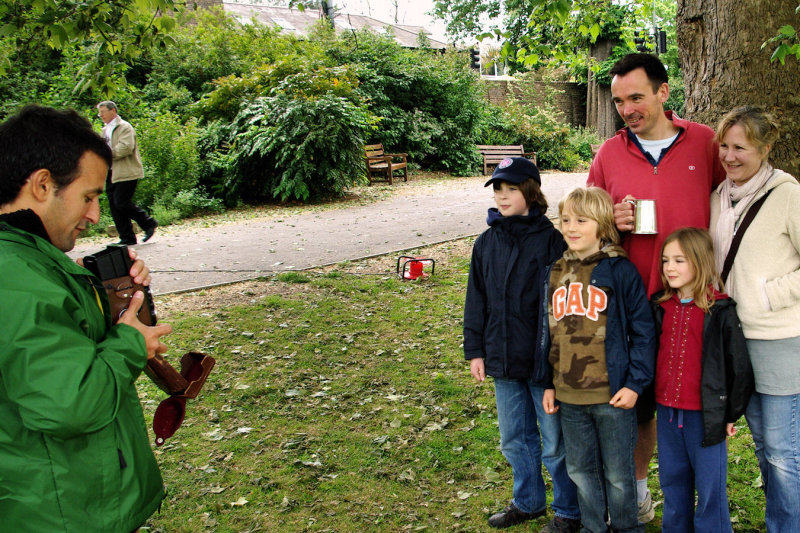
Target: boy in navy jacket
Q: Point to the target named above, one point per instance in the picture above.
(501, 316)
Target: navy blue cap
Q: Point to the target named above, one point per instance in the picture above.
(515, 170)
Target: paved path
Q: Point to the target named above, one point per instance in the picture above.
(190, 259)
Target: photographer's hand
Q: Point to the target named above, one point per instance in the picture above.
(152, 335)
(139, 271)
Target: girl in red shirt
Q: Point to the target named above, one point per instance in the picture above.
(703, 383)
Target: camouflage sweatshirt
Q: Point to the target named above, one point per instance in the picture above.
(577, 319)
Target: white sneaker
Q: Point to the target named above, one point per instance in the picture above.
(646, 510)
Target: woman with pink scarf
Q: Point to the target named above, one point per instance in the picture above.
(763, 275)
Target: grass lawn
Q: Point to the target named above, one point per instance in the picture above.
(341, 402)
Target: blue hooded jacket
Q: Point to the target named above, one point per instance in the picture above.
(630, 341)
(501, 312)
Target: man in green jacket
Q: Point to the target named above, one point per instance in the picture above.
(74, 450)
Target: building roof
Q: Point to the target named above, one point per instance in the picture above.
(299, 23)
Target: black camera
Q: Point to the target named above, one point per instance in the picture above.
(113, 266)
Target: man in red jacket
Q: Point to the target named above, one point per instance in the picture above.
(657, 156)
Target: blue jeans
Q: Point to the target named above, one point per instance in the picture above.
(775, 424)
(526, 444)
(599, 441)
(684, 466)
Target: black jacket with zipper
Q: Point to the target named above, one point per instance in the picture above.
(501, 312)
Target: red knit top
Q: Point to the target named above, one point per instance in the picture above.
(680, 351)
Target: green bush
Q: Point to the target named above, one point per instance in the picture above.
(430, 105)
(581, 141)
(194, 201)
(212, 45)
(296, 148)
(170, 157)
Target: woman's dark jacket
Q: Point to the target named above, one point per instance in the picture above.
(726, 375)
(630, 341)
(501, 312)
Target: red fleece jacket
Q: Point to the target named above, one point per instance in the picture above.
(681, 185)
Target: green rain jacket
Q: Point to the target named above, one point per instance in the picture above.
(74, 449)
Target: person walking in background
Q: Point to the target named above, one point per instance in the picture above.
(660, 157)
(703, 383)
(756, 209)
(504, 298)
(126, 171)
(602, 350)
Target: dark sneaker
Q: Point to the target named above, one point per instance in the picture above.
(562, 525)
(124, 242)
(511, 516)
(148, 234)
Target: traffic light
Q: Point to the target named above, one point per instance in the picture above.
(662, 42)
(641, 41)
(475, 59)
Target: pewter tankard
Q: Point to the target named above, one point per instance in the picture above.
(644, 217)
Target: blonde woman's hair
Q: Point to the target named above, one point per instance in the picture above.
(760, 128)
(698, 248)
(596, 204)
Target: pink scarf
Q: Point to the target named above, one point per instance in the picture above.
(734, 202)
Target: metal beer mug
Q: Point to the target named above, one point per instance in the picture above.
(644, 217)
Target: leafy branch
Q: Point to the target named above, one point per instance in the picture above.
(115, 32)
(788, 43)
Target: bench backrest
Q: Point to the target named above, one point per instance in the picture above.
(501, 151)
(373, 150)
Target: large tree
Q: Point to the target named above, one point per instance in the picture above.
(725, 65)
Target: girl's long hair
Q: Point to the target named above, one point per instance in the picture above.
(698, 248)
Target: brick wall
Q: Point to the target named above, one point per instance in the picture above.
(569, 98)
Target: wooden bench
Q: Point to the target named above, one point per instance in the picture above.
(493, 154)
(382, 164)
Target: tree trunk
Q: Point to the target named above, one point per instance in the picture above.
(719, 43)
(600, 111)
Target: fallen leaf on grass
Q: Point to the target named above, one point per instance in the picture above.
(463, 495)
(215, 434)
(407, 475)
(491, 476)
(241, 502)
